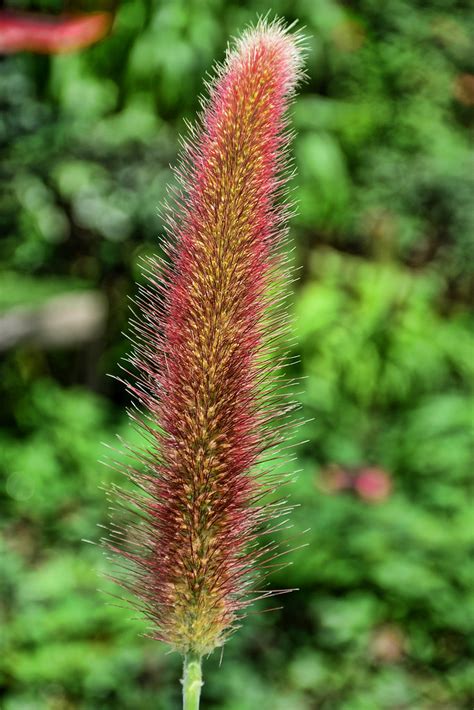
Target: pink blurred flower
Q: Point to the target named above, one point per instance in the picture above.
(43, 34)
(335, 479)
(373, 485)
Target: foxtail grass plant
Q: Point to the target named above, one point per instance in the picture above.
(207, 375)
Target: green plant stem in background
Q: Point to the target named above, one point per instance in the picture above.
(192, 681)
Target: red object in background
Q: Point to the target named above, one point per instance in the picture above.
(371, 484)
(335, 479)
(49, 34)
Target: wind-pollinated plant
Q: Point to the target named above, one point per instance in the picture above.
(208, 363)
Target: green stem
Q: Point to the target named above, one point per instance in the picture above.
(192, 681)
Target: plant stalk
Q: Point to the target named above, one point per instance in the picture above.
(192, 681)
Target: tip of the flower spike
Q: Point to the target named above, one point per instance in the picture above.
(276, 36)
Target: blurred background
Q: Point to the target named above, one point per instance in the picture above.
(384, 618)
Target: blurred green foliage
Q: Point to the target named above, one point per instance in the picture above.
(384, 618)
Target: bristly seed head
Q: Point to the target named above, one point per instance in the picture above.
(209, 322)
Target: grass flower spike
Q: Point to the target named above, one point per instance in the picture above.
(209, 321)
